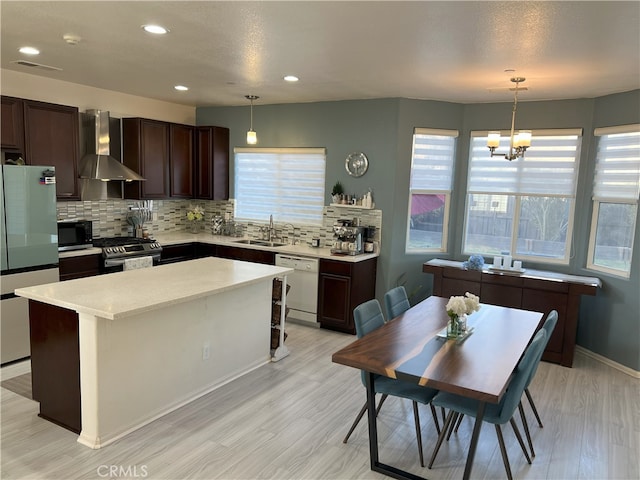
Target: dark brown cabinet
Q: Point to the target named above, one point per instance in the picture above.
(80, 266)
(546, 292)
(177, 253)
(181, 160)
(51, 138)
(12, 125)
(342, 286)
(145, 149)
(212, 163)
(246, 254)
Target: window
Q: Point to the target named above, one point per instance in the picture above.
(616, 189)
(524, 207)
(287, 183)
(430, 189)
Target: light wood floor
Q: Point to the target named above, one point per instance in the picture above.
(287, 420)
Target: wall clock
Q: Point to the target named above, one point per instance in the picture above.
(356, 164)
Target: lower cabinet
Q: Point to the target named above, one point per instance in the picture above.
(177, 253)
(79, 267)
(342, 286)
(246, 254)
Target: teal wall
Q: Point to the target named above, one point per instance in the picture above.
(609, 323)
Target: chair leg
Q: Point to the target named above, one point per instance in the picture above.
(503, 450)
(456, 415)
(519, 437)
(525, 424)
(444, 415)
(382, 399)
(416, 417)
(435, 418)
(355, 423)
(360, 415)
(443, 432)
(533, 406)
(458, 422)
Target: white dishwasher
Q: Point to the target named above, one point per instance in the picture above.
(302, 299)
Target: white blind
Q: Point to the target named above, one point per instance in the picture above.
(617, 175)
(287, 183)
(432, 159)
(550, 166)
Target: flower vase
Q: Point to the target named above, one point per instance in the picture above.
(456, 326)
(194, 227)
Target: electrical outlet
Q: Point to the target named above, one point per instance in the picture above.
(206, 351)
(155, 216)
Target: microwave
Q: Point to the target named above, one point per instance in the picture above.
(75, 235)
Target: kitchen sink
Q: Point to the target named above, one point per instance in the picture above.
(262, 243)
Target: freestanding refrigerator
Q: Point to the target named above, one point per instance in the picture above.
(28, 248)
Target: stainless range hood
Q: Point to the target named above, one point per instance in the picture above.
(101, 174)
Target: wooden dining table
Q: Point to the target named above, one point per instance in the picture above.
(409, 348)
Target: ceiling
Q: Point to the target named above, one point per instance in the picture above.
(451, 51)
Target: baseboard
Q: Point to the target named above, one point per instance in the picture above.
(607, 361)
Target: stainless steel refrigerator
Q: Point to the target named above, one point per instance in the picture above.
(28, 248)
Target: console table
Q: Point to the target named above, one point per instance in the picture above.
(536, 290)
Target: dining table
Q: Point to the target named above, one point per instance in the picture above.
(413, 347)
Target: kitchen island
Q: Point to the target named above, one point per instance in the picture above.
(114, 352)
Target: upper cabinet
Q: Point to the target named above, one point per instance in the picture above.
(181, 160)
(51, 138)
(12, 125)
(212, 163)
(145, 149)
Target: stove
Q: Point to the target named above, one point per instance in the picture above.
(116, 249)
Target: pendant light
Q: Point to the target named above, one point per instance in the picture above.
(519, 142)
(252, 138)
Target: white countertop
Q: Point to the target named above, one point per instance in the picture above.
(124, 294)
(175, 238)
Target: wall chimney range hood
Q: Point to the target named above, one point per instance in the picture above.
(98, 164)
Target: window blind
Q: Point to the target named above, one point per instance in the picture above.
(432, 159)
(287, 183)
(617, 175)
(550, 166)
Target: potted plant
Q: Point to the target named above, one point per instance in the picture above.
(336, 192)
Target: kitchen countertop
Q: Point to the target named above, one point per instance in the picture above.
(115, 296)
(178, 237)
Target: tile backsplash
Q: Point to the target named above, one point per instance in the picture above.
(110, 218)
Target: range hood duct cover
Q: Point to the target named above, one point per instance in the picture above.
(101, 165)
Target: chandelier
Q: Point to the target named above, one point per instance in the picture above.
(252, 138)
(519, 142)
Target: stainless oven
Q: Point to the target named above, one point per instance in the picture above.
(117, 251)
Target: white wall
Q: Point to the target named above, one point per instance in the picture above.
(33, 87)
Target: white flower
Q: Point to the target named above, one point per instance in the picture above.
(466, 305)
(195, 213)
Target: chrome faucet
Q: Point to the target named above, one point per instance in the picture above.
(270, 235)
(293, 233)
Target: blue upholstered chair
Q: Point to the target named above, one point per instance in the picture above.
(500, 413)
(396, 302)
(548, 327)
(368, 317)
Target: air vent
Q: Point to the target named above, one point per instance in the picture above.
(25, 63)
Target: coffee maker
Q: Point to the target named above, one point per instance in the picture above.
(347, 238)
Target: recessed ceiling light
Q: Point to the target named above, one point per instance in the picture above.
(157, 29)
(182, 88)
(291, 78)
(29, 50)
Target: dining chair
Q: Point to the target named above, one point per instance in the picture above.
(367, 318)
(396, 302)
(548, 327)
(500, 413)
